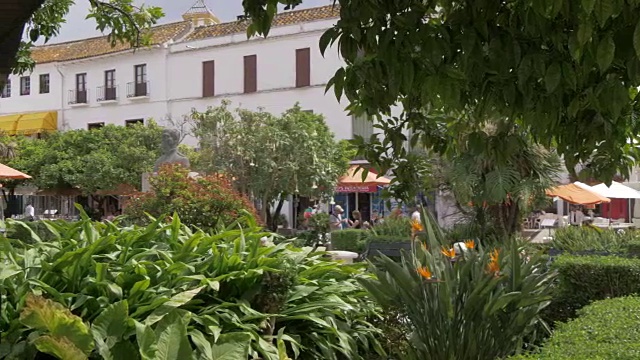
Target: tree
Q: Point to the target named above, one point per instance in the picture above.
(566, 72)
(270, 157)
(90, 160)
(501, 173)
(42, 19)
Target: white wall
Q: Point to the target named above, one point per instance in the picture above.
(79, 116)
(276, 74)
(35, 102)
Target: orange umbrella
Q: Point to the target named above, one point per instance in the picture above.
(7, 172)
(577, 195)
(354, 177)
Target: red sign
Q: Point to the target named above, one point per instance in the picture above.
(356, 188)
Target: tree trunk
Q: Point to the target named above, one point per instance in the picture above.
(276, 214)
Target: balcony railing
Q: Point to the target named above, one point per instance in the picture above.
(78, 97)
(107, 93)
(137, 89)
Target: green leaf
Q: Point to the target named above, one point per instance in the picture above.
(232, 347)
(587, 5)
(584, 32)
(603, 11)
(59, 347)
(146, 339)
(636, 39)
(606, 51)
(173, 343)
(202, 344)
(109, 327)
(569, 75)
(552, 78)
(175, 302)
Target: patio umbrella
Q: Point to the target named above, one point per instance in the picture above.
(617, 191)
(354, 182)
(577, 193)
(7, 172)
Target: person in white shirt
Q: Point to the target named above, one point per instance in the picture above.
(576, 217)
(30, 212)
(415, 215)
(335, 219)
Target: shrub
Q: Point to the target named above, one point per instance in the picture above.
(583, 279)
(372, 238)
(29, 231)
(349, 240)
(606, 329)
(165, 291)
(483, 305)
(587, 238)
(202, 202)
(393, 226)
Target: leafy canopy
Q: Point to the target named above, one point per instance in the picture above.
(271, 156)
(567, 71)
(90, 160)
(124, 21)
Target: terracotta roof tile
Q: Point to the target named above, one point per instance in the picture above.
(282, 19)
(86, 48)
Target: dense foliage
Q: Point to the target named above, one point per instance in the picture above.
(203, 201)
(90, 160)
(479, 304)
(567, 71)
(270, 157)
(166, 292)
(591, 238)
(583, 279)
(606, 329)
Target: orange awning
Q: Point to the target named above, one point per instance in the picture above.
(354, 177)
(7, 172)
(577, 195)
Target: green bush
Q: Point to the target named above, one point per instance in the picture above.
(483, 305)
(583, 279)
(202, 202)
(29, 231)
(372, 238)
(588, 238)
(165, 291)
(607, 329)
(349, 240)
(395, 227)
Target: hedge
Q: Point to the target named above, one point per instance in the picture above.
(606, 329)
(18, 232)
(583, 279)
(349, 240)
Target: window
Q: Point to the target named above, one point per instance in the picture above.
(44, 84)
(6, 91)
(140, 81)
(109, 85)
(25, 85)
(141, 73)
(208, 78)
(250, 74)
(95, 126)
(81, 88)
(303, 67)
(133, 122)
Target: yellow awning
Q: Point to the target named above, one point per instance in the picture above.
(8, 124)
(34, 123)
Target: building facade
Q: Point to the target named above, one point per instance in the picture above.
(192, 64)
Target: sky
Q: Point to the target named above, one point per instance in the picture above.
(77, 27)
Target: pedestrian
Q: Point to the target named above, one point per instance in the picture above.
(30, 212)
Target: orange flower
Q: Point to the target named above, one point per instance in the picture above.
(450, 253)
(470, 244)
(494, 265)
(424, 247)
(424, 272)
(416, 226)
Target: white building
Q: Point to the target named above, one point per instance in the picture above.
(191, 64)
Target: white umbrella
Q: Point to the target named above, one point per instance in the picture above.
(617, 191)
